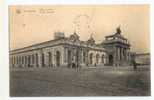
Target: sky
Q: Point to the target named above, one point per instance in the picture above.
(37, 23)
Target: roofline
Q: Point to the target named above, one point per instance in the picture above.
(37, 44)
(29, 47)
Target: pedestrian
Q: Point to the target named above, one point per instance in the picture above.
(134, 65)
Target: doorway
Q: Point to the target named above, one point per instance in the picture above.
(110, 59)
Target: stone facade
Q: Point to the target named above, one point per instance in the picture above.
(142, 58)
(118, 49)
(69, 51)
(60, 52)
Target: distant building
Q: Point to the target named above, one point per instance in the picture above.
(142, 58)
(68, 51)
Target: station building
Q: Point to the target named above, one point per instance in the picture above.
(67, 51)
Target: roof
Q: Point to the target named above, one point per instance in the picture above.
(55, 42)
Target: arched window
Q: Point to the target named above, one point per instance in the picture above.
(33, 59)
(58, 55)
(97, 58)
(43, 60)
(50, 57)
(36, 58)
(29, 60)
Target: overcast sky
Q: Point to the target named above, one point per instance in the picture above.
(34, 24)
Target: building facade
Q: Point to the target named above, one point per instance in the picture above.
(118, 49)
(59, 52)
(71, 51)
(142, 58)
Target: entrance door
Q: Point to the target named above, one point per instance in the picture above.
(91, 58)
(110, 60)
(57, 58)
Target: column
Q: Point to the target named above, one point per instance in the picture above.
(22, 60)
(65, 55)
(45, 58)
(122, 52)
(39, 58)
(50, 59)
(88, 58)
(80, 58)
(115, 57)
(15, 60)
(25, 61)
(18, 61)
(53, 56)
(34, 60)
(30, 60)
(118, 55)
(33, 63)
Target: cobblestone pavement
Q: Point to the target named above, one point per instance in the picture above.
(84, 82)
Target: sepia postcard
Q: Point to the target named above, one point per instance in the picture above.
(79, 50)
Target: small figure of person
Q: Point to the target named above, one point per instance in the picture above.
(134, 65)
(78, 66)
(73, 65)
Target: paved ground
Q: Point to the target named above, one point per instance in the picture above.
(86, 82)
